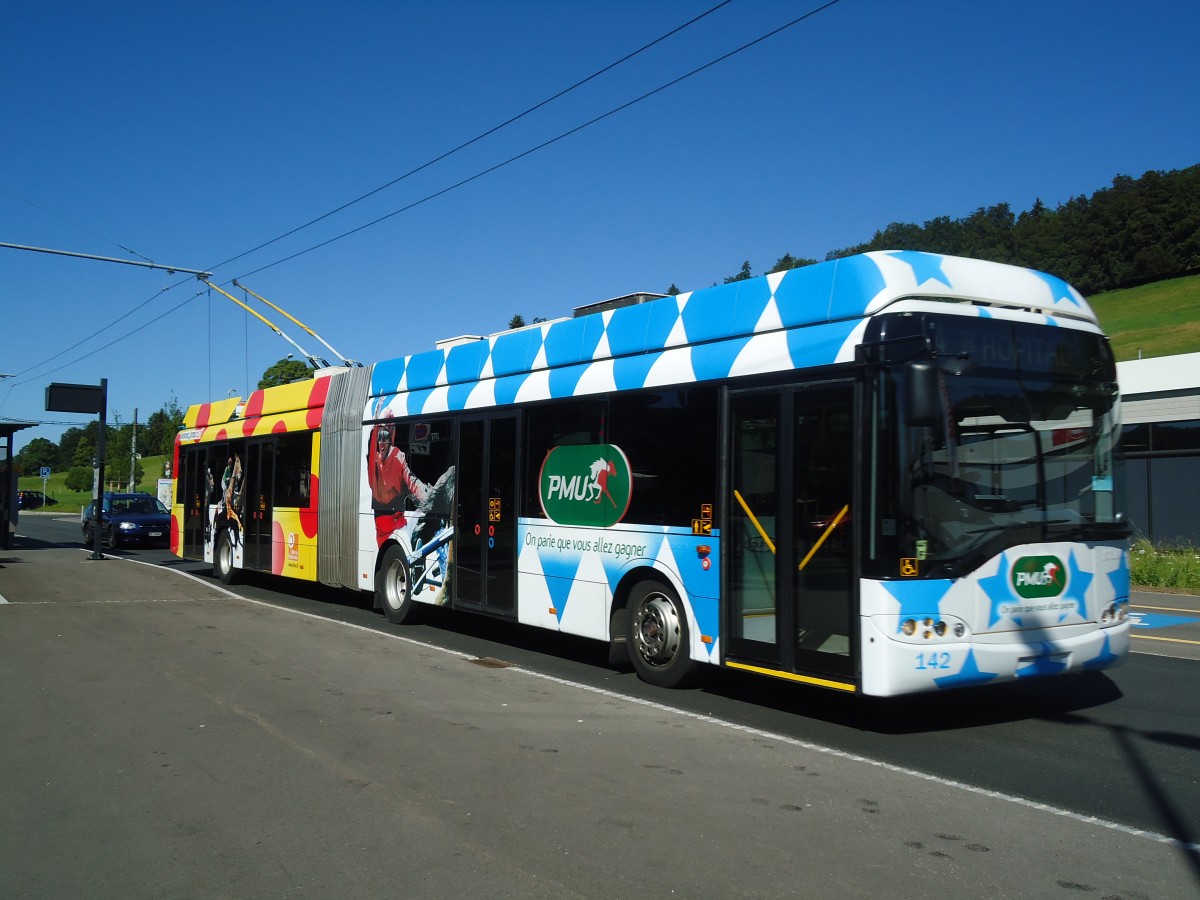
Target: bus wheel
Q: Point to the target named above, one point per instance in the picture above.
(658, 636)
(394, 588)
(223, 560)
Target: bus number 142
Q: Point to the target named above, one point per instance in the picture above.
(933, 660)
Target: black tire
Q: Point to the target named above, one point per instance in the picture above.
(111, 538)
(89, 537)
(223, 569)
(657, 634)
(393, 588)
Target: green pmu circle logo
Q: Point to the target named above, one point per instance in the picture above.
(1039, 576)
(585, 484)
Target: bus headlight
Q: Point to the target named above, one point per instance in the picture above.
(929, 628)
(1114, 614)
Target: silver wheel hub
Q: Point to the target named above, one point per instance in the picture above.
(395, 586)
(656, 630)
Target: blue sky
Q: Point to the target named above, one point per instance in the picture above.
(189, 134)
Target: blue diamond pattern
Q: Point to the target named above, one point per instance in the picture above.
(423, 370)
(630, 372)
(715, 360)
(803, 297)
(515, 352)
(385, 377)
(818, 305)
(466, 361)
(858, 281)
(728, 309)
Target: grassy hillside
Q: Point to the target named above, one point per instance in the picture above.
(73, 501)
(1159, 319)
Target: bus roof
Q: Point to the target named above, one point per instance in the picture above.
(730, 329)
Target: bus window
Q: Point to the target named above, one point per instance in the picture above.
(293, 464)
(669, 438)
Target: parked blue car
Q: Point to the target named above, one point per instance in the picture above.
(128, 519)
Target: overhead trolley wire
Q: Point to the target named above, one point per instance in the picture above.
(551, 141)
(480, 137)
(51, 212)
(346, 205)
(487, 171)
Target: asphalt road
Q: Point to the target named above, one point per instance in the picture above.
(1119, 746)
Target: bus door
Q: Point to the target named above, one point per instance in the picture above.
(192, 493)
(486, 531)
(789, 536)
(255, 505)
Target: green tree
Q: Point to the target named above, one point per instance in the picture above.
(673, 291)
(517, 321)
(159, 435)
(118, 453)
(285, 371)
(79, 479)
(1136, 231)
(85, 453)
(37, 453)
(787, 261)
(69, 443)
(743, 275)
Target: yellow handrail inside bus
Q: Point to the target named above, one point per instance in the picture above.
(824, 534)
(739, 499)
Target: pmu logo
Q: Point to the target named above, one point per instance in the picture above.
(586, 484)
(1038, 576)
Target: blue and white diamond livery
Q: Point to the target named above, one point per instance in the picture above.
(788, 320)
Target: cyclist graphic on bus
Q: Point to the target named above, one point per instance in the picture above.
(410, 511)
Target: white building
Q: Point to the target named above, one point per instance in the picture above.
(1160, 411)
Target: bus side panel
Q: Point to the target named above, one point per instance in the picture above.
(567, 576)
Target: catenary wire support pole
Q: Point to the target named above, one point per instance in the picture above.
(315, 361)
(87, 398)
(112, 259)
(284, 312)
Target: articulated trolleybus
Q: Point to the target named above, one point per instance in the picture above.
(883, 474)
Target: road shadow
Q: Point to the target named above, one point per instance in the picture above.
(924, 713)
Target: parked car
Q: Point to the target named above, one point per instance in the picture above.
(34, 500)
(127, 519)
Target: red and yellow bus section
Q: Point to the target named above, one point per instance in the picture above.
(269, 508)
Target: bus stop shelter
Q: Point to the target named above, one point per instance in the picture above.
(8, 481)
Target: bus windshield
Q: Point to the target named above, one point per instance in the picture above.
(1005, 435)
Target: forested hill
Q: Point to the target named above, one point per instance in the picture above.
(1137, 231)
